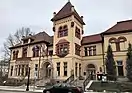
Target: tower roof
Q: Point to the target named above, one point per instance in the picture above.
(67, 11)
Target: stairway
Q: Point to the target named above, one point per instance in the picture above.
(42, 82)
(79, 83)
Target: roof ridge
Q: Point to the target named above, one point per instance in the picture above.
(66, 11)
(92, 35)
(124, 21)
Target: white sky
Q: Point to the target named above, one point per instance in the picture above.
(99, 15)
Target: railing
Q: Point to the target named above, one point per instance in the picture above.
(75, 82)
(70, 79)
(86, 81)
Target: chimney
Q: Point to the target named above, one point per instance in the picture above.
(23, 36)
(82, 17)
(72, 8)
(30, 35)
(54, 13)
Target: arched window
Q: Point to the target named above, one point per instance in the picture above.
(118, 42)
(122, 39)
(112, 40)
(63, 31)
(35, 51)
(13, 55)
(60, 28)
(17, 54)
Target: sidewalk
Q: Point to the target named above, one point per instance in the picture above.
(20, 89)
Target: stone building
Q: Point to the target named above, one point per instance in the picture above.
(68, 52)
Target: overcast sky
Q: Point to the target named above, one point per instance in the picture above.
(99, 15)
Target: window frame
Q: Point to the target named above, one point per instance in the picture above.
(58, 68)
(63, 31)
(60, 47)
(65, 68)
(77, 49)
(24, 52)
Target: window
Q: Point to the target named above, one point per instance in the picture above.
(15, 54)
(63, 31)
(19, 68)
(16, 70)
(77, 33)
(51, 52)
(36, 67)
(94, 50)
(90, 51)
(120, 68)
(86, 51)
(65, 68)
(77, 49)
(117, 42)
(11, 71)
(36, 51)
(62, 49)
(24, 52)
(36, 70)
(25, 41)
(76, 67)
(79, 69)
(26, 70)
(22, 73)
(58, 69)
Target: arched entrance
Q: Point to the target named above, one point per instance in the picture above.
(46, 69)
(91, 70)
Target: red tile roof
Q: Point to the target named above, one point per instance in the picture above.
(91, 39)
(40, 37)
(121, 26)
(66, 11)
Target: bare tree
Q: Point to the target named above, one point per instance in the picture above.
(12, 40)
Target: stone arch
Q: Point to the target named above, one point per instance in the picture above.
(91, 70)
(122, 39)
(46, 70)
(112, 40)
(60, 28)
(65, 27)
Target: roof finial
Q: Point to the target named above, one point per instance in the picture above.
(68, 0)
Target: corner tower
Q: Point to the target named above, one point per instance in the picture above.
(68, 30)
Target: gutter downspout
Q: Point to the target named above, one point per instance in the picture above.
(102, 36)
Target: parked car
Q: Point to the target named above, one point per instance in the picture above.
(63, 89)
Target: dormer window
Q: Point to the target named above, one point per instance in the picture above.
(25, 41)
(62, 48)
(63, 31)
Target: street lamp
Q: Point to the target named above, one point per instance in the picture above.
(27, 89)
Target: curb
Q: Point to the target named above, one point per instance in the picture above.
(19, 91)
